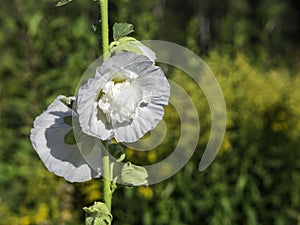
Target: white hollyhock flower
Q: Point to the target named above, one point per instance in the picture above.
(53, 139)
(124, 100)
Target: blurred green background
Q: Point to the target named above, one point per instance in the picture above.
(253, 49)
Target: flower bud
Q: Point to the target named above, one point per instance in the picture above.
(133, 175)
(97, 214)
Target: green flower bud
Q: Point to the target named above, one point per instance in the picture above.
(97, 214)
(134, 175)
(130, 44)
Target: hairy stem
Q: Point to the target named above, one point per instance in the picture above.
(104, 22)
(107, 192)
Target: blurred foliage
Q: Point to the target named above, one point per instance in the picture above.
(252, 48)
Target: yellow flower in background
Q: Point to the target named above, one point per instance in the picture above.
(145, 192)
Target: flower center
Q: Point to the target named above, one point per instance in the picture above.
(108, 102)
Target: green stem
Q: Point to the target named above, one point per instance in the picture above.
(107, 173)
(104, 21)
(107, 192)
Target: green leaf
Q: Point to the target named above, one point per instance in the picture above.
(62, 2)
(121, 30)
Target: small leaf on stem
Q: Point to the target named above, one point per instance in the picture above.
(121, 30)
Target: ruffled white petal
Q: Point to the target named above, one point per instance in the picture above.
(147, 119)
(124, 106)
(91, 121)
(146, 51)
(128, 60)
(48, 139)
(155, 94)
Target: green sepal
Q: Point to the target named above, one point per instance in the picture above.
(68, 101)
(62, 2)
(113, 185)
(97, 214)
(125, 44)
(121, 30)
(134, 175)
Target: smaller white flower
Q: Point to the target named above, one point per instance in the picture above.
(53, 139)
(125, 99)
